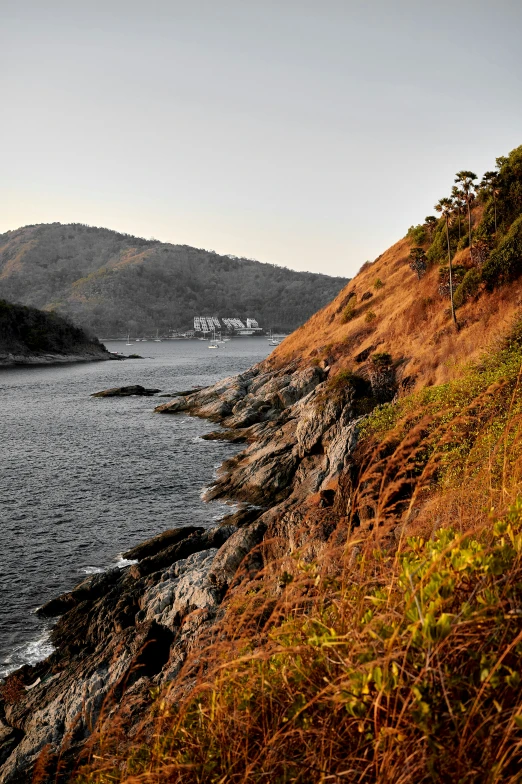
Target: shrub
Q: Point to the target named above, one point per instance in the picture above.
(418, 261)
(381, 358)
(505, 262)
(370, 316)
(349, 312)
(468, 288)
(463, 242)
(458, 275)
(378, 284)
(438, 250)
(345, 378)
(417, 234)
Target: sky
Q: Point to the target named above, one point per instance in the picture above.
(306, 133)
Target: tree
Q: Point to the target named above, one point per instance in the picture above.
(418, 261)
(444, 206)
(465, 179)
(490, 185)
(459, 203)
(430, 221)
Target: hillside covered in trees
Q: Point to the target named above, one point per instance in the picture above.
(113, 283)
(28, 335)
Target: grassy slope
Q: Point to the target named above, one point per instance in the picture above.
(113, 283)
(411, 321)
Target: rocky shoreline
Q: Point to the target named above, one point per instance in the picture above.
(125, 632)
(8, 359)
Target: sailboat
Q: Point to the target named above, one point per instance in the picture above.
(157, 339)
(213, 343)
(128, 343)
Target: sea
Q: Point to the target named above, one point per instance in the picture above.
(83, 479)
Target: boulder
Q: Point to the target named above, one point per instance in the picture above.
(135, 389)
(160, 542)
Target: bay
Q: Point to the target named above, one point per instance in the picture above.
(83, 479)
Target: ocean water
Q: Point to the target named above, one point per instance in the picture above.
(83, 479)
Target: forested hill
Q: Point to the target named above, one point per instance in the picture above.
(28, 335)
(113, 283)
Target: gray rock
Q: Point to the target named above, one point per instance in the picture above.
(232, 554)
(135, 389)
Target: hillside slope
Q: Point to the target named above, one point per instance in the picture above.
(114, 283)
(30, 336)
(386, 308)
(358, 617)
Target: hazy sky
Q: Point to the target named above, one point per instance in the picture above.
(310, 133)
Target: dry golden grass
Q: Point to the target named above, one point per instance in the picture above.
(412, 322)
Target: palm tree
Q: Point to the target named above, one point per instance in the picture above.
(444, 206)
(459, 202)
(465, 179)
(490, 184)
(430, 221)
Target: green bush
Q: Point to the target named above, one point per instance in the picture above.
(463, 242)
(378, 284)
(370, 316)
(347, 378)
(438, 250)
(381, 358)
(505, 262)
(417, 234)
(348, 313)
(468, 288)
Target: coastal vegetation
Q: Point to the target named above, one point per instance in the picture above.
(114, 284)
(26, 331)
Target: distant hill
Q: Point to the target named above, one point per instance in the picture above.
(113, 283)
(28, 335)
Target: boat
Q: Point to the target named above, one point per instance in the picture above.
(213, 343)
(137, 340)
(128, 343)
(157, 339)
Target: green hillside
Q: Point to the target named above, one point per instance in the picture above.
(113, 283)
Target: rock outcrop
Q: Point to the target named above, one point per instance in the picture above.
(135, 389)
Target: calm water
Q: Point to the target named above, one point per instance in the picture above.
(83, 479)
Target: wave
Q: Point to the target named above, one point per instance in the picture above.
(29, 653)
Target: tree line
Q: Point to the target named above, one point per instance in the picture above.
(495, 243)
